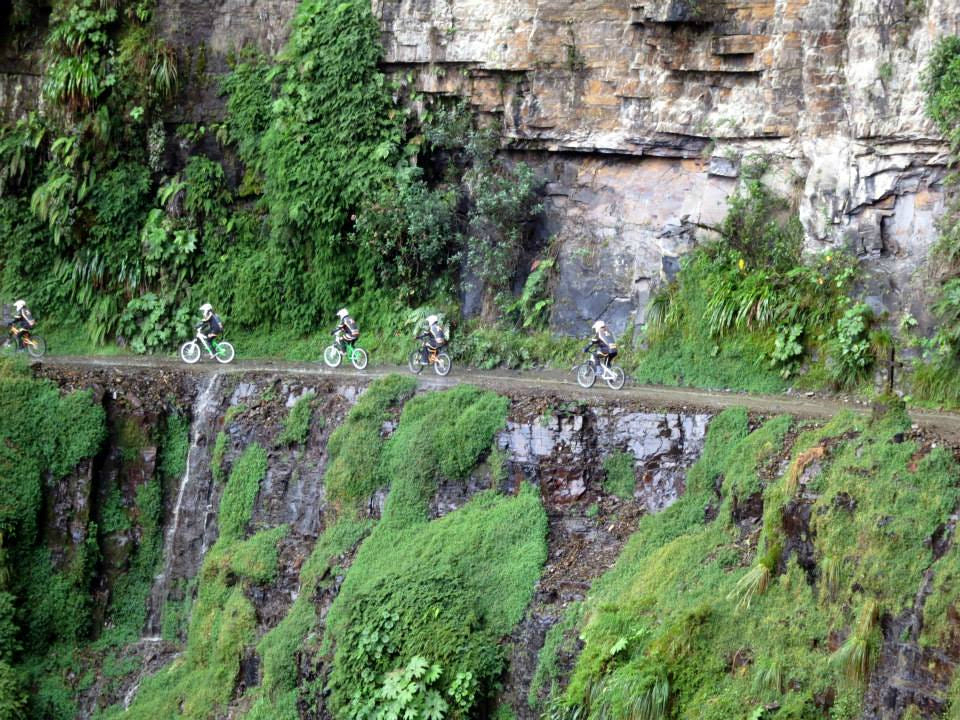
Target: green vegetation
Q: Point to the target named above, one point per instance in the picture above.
(937, 377)
(297, 427)
(560, 637)
(355, 447)
(334, 206)
(42, 605)
(276, 697)
(621, 478)
(420, 589)
(698, 620)
(200, 682)
(747, 310)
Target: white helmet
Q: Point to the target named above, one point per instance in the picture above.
(431, 319)
(20, 305)
(598, 324)
(342, 313)
(206, 308)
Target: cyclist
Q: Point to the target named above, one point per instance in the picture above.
(211, 326)
(434, 338)
(605, 341)
(22, 320)
(347, 331)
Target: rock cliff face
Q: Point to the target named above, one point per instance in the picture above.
(640, 115)
(557, 445)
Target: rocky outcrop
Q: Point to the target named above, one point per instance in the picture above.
(640, 116)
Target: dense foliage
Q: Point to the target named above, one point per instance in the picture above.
(703, 618)
(44, 601)
(748, 310)
(332, 207)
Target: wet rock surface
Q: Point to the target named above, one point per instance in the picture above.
(549, 440)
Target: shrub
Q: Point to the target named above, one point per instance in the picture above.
(621, 479)
(851, 351)
(418, 587)
(297, 426)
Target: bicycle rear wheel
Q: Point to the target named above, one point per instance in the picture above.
(586, 375)
(36, 346)
(332, 356)
(416, 367)
(225, 352)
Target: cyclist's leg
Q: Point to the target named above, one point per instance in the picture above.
(612, 354)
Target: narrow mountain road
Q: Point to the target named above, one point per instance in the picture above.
(535, 382)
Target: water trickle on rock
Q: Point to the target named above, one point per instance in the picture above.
(181, 534)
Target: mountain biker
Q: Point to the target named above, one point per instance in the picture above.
(605, 341)
(211, 326)
(347, 331)
(434, 338)
(22, 320)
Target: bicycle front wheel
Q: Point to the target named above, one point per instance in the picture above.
(36, 346)
(225, 352)
(190, 352)
(586, 375)
(416, 367)
(331, 356)
(442, 364)
(359, 358)
(616, 379)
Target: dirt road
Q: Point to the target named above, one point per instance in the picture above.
(552, 382)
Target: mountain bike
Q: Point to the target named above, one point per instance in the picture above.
(440, 360)
(220, 350)
(333, 355)
(35, 345)
(588, 372)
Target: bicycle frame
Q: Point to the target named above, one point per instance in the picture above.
(214, 350)
(23, 336)
(431, 356)
(605, 372)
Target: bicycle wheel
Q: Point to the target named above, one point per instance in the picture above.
(416, 367)
(359, 358)
(190, 352)
(586, 376)
(616, 382)
(225, 352)
(36, 346)
(332, 356)
(443, 364)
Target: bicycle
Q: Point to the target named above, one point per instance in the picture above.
(333, 355)
(220, 350)
(588, 372)
(35, 345)
(440, 360)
